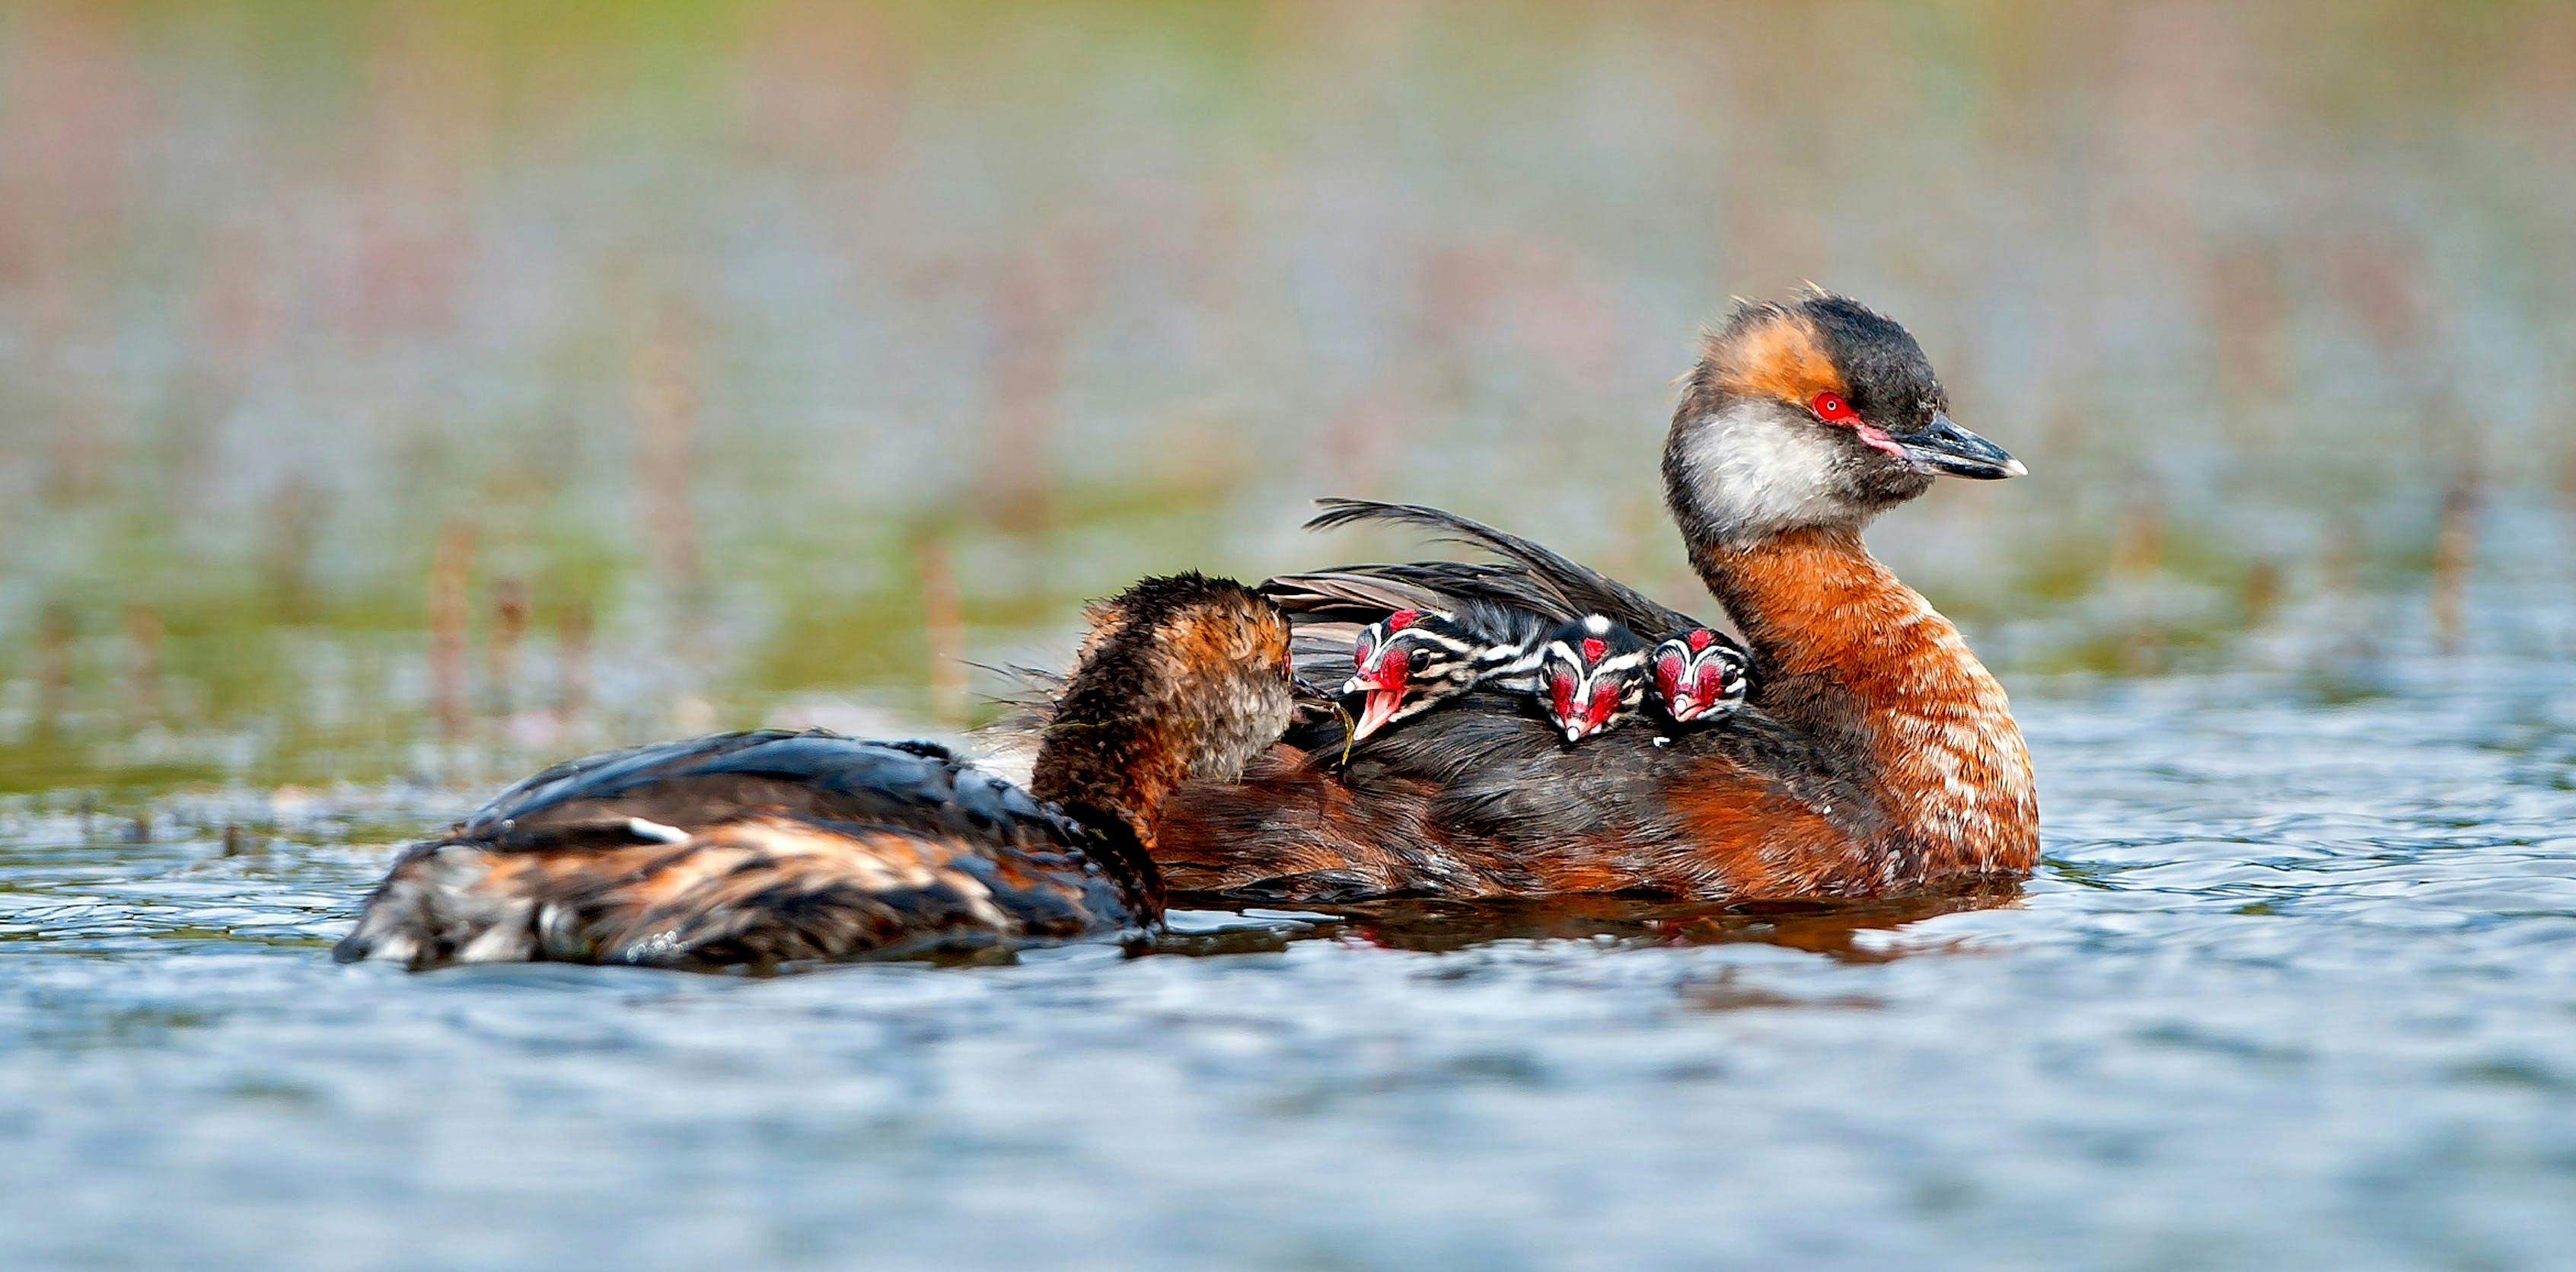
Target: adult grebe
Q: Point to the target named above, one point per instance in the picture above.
(1874, 755)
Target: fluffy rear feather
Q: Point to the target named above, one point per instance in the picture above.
(740, 848)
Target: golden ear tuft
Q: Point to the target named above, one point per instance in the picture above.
(1773, 352)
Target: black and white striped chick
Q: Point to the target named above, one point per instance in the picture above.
(1700, 674)
(1414, 659)
(1587, 676)
(1593, 677)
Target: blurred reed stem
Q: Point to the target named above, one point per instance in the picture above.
(572, 670)
(2454, 552)
(943, 628)
(143, 638)
(55, 631)
(501, 654)
(663, 373)
(2137, 560)
(450, 566)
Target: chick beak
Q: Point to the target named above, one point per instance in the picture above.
(1944, 447)
(1379, 707)
(1383, 683)
(1585, 721)
(1601, 707)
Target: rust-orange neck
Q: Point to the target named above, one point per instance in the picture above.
(1867, 666)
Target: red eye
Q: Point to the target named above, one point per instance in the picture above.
(1831, 406)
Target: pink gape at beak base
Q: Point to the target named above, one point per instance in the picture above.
(1382, 675)
(1384, 684)
(1379, 707)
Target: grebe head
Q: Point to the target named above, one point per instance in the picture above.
(1699, 673)
(1411, 661)
(1592, 676)
(1180, 677)
(1816, 413)
(1183, 670)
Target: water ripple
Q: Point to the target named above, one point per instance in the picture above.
(2294, 984)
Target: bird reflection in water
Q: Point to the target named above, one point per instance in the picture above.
(1841, 930)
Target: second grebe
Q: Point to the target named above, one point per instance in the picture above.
(762, 848)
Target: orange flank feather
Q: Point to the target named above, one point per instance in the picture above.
(1846, 646)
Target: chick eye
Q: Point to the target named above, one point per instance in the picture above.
(1421, 659)
(1831, 406)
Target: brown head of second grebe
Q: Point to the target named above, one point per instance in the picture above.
(767, 847)
(1873, 754)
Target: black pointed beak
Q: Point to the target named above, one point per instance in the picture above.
(1305, 690)
(1944, 447)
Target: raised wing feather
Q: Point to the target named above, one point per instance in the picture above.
(1535, 577)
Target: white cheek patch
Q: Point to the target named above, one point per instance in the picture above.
(1756, 472)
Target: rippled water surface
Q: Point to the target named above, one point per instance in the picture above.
(2297, 982)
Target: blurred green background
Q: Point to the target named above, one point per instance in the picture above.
(421, 388)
